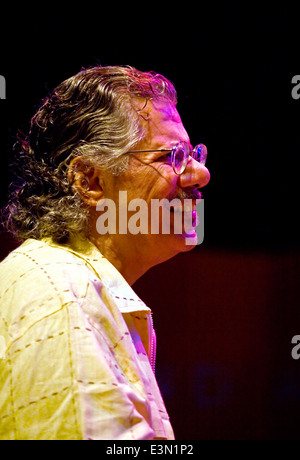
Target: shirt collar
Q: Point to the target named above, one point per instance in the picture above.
(124, 296)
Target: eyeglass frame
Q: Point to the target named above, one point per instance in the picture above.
(192, 153)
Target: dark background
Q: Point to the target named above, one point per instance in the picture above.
(225, 313)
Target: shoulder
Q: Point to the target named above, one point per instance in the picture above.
(40, 277)
(43, 263)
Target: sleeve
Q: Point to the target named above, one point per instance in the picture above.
(72, 373)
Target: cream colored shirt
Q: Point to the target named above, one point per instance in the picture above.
(76, 349)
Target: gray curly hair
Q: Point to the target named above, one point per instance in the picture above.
(92, 115)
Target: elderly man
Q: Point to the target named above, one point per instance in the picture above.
(77, 344)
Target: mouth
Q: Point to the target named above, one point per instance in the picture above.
(188, 211)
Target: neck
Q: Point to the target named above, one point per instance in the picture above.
(133, 255)
(122, 255)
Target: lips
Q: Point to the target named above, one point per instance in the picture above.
(189, 215)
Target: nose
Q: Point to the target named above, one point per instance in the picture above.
(195, 175)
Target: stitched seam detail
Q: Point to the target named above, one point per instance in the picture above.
(24, 406)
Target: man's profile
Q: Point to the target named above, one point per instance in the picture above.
(78, 344)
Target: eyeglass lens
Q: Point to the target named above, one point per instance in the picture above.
(181, 154)
(200, 153)
(180, 158)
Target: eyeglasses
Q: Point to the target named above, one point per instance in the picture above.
(180, 155)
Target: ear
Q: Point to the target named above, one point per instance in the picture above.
(86, 180)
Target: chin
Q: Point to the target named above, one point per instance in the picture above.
(190, 242)
(183, 243)
(167, 246)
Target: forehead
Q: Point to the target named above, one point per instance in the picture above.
(163, 125)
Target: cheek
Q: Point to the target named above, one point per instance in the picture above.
(166, 182)
(139, 182)
(154, 187)
(147, 182)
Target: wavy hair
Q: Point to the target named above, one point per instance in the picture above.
(92, 115)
